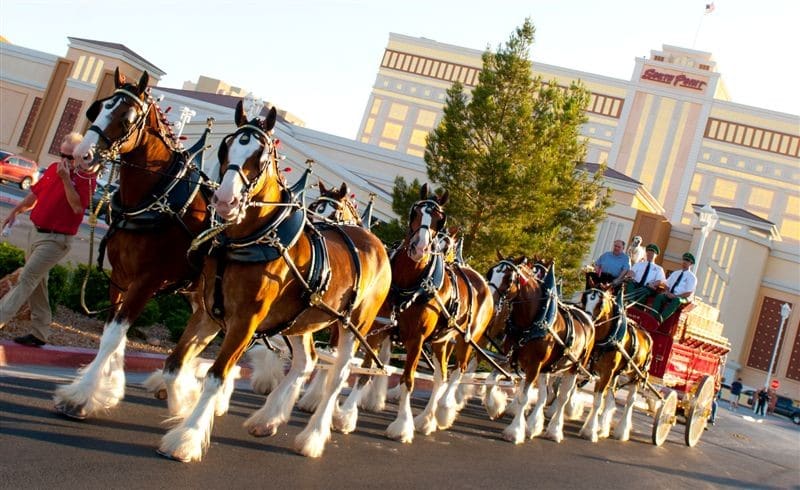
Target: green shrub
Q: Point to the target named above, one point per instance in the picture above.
(57, 285)
(175, 313)
(11, 258)
(150, 314)
(96, 294)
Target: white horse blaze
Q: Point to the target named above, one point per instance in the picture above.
(231, 186)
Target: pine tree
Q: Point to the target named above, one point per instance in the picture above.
(510, 156)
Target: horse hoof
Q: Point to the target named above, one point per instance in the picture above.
(172, 457)
(262, 430)
(71, 411)
(160, 394)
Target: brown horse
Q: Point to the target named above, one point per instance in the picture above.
(620, 348)
(334, 206)
(430, 302)
(157, 210)
(271, 272)
(543, 336)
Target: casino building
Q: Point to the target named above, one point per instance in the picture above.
(689, 168)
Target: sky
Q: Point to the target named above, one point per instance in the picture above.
(319, 59)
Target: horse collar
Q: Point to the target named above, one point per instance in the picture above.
(430, 282)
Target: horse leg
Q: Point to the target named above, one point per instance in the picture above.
(448, 407)
(278, 406)
(536, 417)
(402, 428)
(425, 422)
(609, 407)
(515, 432)
(495, 398)
(311, 441)
(555, 429)
(101, 384)
(374, 398)
(315, 390)
(467, 389)
(268, 366)
(590, 426)
(189, 440)
(623, 430)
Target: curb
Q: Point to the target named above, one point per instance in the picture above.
(72, 357)
(12, 353)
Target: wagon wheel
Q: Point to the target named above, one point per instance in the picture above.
(699, 410)
(665, 418)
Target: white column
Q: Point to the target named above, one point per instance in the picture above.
(785, 311)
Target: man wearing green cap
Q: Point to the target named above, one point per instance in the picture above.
(644, 278)
(680, 288)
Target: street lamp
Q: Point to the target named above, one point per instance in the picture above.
(708, 219)
(785, 311)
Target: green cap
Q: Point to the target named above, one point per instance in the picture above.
(654, 248)
(688, 257)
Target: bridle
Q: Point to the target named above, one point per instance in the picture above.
(142, 108)
(429, 207)
(338, 205)
(268, 155)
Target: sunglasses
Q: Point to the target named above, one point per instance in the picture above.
(68, 157)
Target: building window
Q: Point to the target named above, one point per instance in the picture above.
(376, 106)
(387, 145)
(766, 334)
(658, 58)
(418, 137)
(725, 189)
(369, 125)
(25, 137)
(398, 111)
(704, 67)
(76, 72)
(66, 124)
(426, 119)
(752, 137)
(415, 152)
(392, 131)
(761, 198)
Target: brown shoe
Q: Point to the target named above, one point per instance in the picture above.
(30, 340)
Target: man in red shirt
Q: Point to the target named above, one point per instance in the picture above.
(57, 203)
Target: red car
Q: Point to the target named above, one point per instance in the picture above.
(21, 170)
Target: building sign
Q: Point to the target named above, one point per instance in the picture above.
(680, 80)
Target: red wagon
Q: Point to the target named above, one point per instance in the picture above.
(688, 352)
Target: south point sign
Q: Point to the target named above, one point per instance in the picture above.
(674, 79)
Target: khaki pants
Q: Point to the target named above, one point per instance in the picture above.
(44, 251)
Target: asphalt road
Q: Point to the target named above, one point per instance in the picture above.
(39, 449)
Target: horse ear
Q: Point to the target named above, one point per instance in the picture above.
(423, 191)
(269, 122)
(343, 190)
(322, 188)
(93, 110)
(442, 200)
(499, 254)
(119, 78)
(143, 81)
(240, 117)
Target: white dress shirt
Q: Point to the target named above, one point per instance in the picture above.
(655, 274)
(688, 282)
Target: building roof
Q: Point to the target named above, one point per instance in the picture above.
(610, 172)
(221, 100)
(741, 213)
(118, 47)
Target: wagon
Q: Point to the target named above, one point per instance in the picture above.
(687, 357)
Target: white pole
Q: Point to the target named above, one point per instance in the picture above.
(785, 311)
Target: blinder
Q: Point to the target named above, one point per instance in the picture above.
(428, 203)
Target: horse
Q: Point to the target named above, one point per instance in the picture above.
(270, 271)
(158, 209)
(429, 302)
(542, 336)
(621, 354)
(334, 206)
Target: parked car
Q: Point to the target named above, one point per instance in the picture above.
(17, 169)
(789, 408)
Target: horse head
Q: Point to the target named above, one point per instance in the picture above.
(507, 277)
(118, 121)
(425, 220)
(248, 164)
(598, 302)
(447, 242)
(334, 205)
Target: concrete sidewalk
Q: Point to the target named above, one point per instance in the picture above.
(12, 353)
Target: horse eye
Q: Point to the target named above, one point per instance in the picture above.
(130, 116)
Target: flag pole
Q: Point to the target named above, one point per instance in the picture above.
(697, 32)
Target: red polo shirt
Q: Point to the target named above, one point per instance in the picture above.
(52, 210)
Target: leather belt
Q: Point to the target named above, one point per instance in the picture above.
(45, 230)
